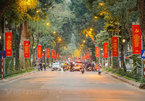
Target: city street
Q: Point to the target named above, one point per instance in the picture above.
(69, 86)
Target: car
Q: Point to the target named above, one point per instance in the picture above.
(56, 66)
(77, 66)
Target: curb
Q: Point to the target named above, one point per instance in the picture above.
(17, 77)
(133, 83)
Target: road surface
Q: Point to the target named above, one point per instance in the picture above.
(69, 86)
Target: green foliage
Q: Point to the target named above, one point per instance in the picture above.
(128, 75)
(101, 38)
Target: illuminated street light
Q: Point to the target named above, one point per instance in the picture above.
(101, 4)
(84, 41)
(47, 24)
(91, 29)
(54, 32)
(101, 49)
(95, 17)
(0, 37)
(123, 40)
(59, 39)
(37, 11)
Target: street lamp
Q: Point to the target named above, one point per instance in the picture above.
(37, 11)
(59, 39)
(123, 40)
(95, 17)
(47, 24)
(91, 29)
(0, 37)
(101, 4)
(84, 41)
(54, 32)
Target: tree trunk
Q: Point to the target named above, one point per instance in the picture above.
(24, 36)
(141, 9)
(122, 58)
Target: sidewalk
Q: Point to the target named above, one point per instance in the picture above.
(17, 77)
(133, 83)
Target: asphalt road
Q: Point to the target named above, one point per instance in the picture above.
(69, 86)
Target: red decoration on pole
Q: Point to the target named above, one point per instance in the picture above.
(115, 46)
(39, 51)
(97, 52)
(8, 43)
(48, 52)
(26, 49)
(106, 49)
(136, 40)
(52, 54)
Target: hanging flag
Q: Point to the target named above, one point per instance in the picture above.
(115, 46)
(39, 51)
(136, 40)
(8, 43)
(52, 54)
(97, 52)
(26, 49)
(106, 49)
(48, 52)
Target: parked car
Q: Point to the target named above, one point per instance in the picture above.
(56, 66)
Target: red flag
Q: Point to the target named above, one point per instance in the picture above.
(97, 52)
(39, 51)
(48, 52)
(8, 43)
(115, 46)
(26, 49)
(136, 40)
(106, 49)
(52, 54)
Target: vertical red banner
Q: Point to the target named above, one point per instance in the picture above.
(55, 55)
(48, 52)
(52, 54)
(97, 52)
(39, 51)
(115, 46)
(8, 43)
(26, 49)
(136, 40)
(106, 49)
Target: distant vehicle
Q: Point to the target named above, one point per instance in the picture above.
(56, 66)
(78, 66)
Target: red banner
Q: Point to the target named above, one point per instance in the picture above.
(115, 46)
(106, 49)
(48, 52)
(8, 43)
(58, 56)
(136, 40)
(97, 52)
(52, 54)
(26, 49)
(55, 55)
(39, 51)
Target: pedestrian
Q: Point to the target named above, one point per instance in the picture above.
(44, 66)
(41, 68)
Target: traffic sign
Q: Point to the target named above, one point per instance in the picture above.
(3, 53)
(142, 53)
